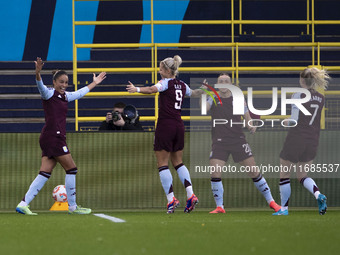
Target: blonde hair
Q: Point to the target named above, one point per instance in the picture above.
(315, 78)
(172, 64)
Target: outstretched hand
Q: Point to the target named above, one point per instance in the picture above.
(38, 65)
(98, 79)
(131, 88)
(201, 90)
(204, 84)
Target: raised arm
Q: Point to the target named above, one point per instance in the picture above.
(196, 92)
(97, 80)
(38, 67)
(71, 96)
(145, 90)
(200, 91)
(43, 90)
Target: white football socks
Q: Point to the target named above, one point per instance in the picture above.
(35, 187)
(261, 184)
(184, 176)
(285, 192)
(70, 185)
(166, 180)
(217, 190)
(311, 186)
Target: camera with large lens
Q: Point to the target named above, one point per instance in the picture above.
(130, 113)
(115, 116)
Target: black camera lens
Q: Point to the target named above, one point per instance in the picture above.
(115, 116)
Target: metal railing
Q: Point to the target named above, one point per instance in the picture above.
(235, 68)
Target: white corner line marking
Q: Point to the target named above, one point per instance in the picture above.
(111, 218)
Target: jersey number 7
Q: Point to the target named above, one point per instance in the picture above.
(316, 107)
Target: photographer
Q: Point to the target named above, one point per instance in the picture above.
(121, 118)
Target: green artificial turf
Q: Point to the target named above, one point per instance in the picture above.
(119, 171)
(155, 232)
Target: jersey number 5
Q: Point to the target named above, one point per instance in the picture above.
(179, 98)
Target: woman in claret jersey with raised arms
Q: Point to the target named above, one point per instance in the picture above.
(53, 137)
(169, 135)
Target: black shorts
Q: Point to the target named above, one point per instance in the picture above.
(53, 145)
(296, 149)
(238, 148)
(169, 135)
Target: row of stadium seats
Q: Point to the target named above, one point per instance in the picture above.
(20, 101)
(194, 57)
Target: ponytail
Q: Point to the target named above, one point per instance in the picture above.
(172, 64)
(315, 78)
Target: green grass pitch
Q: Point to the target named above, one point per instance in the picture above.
(118, 176)
(119, 171)
(155, 232)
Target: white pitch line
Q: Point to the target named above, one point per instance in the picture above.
(111, 218)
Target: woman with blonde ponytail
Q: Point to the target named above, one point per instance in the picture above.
(302, 141)
(169, 135)
(314, 79)
(172, 64)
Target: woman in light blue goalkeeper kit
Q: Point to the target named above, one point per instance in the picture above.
(53, 137)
